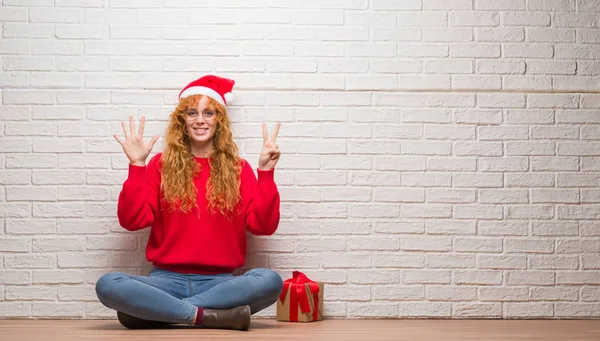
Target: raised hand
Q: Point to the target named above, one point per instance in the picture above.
(269, 155)
(134, 147)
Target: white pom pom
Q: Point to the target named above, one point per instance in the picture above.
(228, 97)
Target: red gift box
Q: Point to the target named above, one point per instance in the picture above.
(301, 299)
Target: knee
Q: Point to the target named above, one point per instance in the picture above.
(105, 285)
(271, 280)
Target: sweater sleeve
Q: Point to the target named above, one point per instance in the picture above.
(262, 210)
(138, 200)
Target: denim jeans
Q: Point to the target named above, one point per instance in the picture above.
(173, 297)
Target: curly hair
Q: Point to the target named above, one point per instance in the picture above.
(179, 168)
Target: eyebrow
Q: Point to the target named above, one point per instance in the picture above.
(207, 109)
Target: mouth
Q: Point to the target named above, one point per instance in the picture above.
(200, 131)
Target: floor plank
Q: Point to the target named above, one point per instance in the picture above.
(265, 329)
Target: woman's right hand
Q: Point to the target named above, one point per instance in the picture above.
(134, 147)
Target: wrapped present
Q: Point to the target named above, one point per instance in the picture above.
(301, 299)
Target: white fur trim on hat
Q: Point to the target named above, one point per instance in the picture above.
(228, 97)
(202, 90)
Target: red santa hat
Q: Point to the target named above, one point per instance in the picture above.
(217, 88)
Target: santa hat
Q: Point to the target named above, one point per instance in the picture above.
(217, 88)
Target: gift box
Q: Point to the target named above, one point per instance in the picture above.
(301, 299)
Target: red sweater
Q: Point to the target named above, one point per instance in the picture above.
(197, 242)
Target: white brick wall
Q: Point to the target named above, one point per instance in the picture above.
(441, 158)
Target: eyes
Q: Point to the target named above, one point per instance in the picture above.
(206, 113)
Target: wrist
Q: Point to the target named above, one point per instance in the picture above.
(138, 163)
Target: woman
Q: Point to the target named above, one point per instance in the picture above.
(199, 197)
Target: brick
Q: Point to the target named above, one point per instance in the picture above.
(526, 19)
(500, 67)
(425, 211)
(532, 50)
(462, 164)
(554, 163)
(404, 163)
(346, 260)
(427, 179)
(373, 210)
(530, 211)
(426, 277)
(477, 277)
(503, 133)
(450, 261)
(420, 309)
(577, 309)
(15, 244)
(501, 262)
(512, 82)
(530, 148)
(577, 179)
(477, 148)
(394, 293)
(530, 180)
(386, 260)
(503, 228)
(398, 195)
(372, 310)
(476, 180)
(371, 49)
(15, 145)
(472, 310)
(426, 243)
(486, 34)
(577, 246)
(474, 19)
(530, 116)
(590, 195)
(30, 261)
(488, 245)
(37, 293)
(532, 245)
(528, 310)
(77, 293)
(450, 195)
(31, 193)
(553, 294)
(589, 228)
(29, 227)
(61, 309)
(474, 50)
(451, 227)
(590, 294)
(447, 35)
(478, 211)
(544, 67)
(578, 277)
(506, 196)
(399, 227)
(552, 35)
(504, 164)
(502, 294)
(15, 309)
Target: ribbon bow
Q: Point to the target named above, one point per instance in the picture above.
(299, 295)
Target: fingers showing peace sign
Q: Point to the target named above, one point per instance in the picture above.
(269, 155)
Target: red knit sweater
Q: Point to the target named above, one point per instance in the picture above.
(197, 242)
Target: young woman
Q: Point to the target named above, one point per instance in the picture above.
(200, 198)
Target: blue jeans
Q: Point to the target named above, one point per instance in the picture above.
(173, 297)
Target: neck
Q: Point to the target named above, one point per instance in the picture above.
(203, 150)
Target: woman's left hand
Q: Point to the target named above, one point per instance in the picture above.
(269, 155)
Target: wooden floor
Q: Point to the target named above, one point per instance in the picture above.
(264, 329)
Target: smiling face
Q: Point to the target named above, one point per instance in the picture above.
(201, 124)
